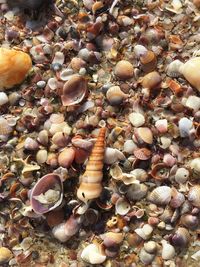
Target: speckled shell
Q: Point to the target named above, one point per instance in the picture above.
(90, 182)
(14, 66)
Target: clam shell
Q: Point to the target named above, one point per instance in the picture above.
(185, 125)
(195, 165)
(129, 146)
(189, 221)
(91, 254)
(161, 195)
(31, 144)
(115, 96)
(122, 207)
(66, 157)
(194, 195)
(60, 139)
(111, 239)
(137, 191)
(151, 80)
(145, 232)
(181, 175)
(160, 171)
(150, 246)
(181, 237)
(162, 125)
(168, 251)
(113, 155)
(43, 137)
(145, 257)
(41, 156)
(74, 91)
(124, 70)
(5, 128)
(173, 69)
(3, 98)
(140, 174)
(144, 134)
(14, 67)
(142, 153)
(136, 119)
(48, 182)
(193, 102)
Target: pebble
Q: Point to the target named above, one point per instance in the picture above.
(41, 84)
(5, 255)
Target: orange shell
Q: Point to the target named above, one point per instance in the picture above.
(90, 183)
(14, 66)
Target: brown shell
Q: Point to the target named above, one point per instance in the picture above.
(148, 61)
(160, 171)
(90, 182)
(142, 153)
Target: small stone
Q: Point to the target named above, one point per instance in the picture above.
(5, 255)
(124, 70)
(41, 84)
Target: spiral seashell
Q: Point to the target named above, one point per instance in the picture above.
(124, 70)
(189, 71)
(181, 237)
(66, 157)
(92, 254)
(181, 175)
(168, 251)
(115, 95)
(161, 195)
(47, 194)
(144, 134)
(151, 80)
(74, 91)
(189, 221)
(14, 67)
(173, 69)
(160, 171)
(5, 128)
(194, 195)
(90, 182)
(148, 61)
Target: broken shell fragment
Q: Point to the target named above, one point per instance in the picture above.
(145, 257)
(124, 70)
(92, 254)
(113, 155)
(145, 232)
(115, 96)
(137, 191)
(111, 238)
(160, 171)
(189, 71)
(161, 195)
(14, 67)
(74, 91)
(47, 194)
(168, 251)
(150, 246)
(5, 255)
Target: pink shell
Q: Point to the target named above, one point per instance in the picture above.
(169, 160)
(161, 125)
(142, 153)
(45, 183)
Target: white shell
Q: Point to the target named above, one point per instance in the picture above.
(140, 50)
(115, 95)
(137, 191)
(194, 195)
(92, 255)
(161, 195)
(190, 72)
(195, 165)
(3, 98)
(136, 119)
(161, 125)
(185, 125)
(129, 146)
(193, 102)
(59, 57)
(139, 174)
(145, 257)
(66, 74)
(52, 83)
(150, 246)
(122, 207)
(173, 69)
(145, 232)
(165, 142)
(168, 251)
(113, 155)
(59, 232)
(181, 175)
(41, 156)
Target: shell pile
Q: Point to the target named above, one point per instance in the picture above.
(99, 133)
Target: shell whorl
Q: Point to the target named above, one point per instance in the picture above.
(90, 182)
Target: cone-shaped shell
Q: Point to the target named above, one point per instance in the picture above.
(190, 71)
(14, 65)
(74, 91)
(40, 200)
(90, 183)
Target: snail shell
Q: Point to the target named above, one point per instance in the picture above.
(90, 183)
(115, 96)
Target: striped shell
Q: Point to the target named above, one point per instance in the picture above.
(142, 153)
(5, 128)
(90, 182)
(161, 195)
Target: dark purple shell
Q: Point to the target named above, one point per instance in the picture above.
(49, 181)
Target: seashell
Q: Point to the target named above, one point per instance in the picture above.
(92, 255)
(181, 175)
(115, 96)
(3, 98)
(151, 80)
(181, 237)
(55, 217)
(190, 73)
(113, 155)
(196, 3)
(168, 251)
(145, 232)
(47, 194)
(150, 247)
(59, 58)
(43, 137)
(122, 207)
(142, 153)
(77, 63)
(57, 118)
(66, 157)
(90, 217)
(116, 172)
(189, 221)
(64, 231)
(136, 119)
(90, 182)
(193, 102)
(148, 61)
(5, 128)
(41, 156)
(81, 155)
(124, 70)
(5, 255)
(129, 146)
(111, 239)
(177, 199)
(140, 50)
(14, 67)
(195, 165)
(196, 255)
(160, 171)
(169, 160)
(165, 142)
(78, 142)
(137, 191)
(60, 139)
(185, 125)
(173, 69)
(161, 195)
(167, 214)
(161, 125)
(30, 144)
(145, 257)
(74, 91)
(194, 195)
(52, 160)
(65, 74)
(144, 134)
(140, 174)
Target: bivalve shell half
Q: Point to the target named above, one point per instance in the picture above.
(145, 232)
(47, 194)
(195, 165)
(5, 128)
(137, 191)
(74, 91)
(189, 221)
(144, 134)
(92, 254)
(161, 195)
(151, 80)
(182, 175)
(181, 237)
(66, 157)
(145, 257)
(168, 251)
(142, 153)
(136, 119)
(115, 95)
(122, 207)
(124, 70)
(160, 171)
(194, 195)
(113, 155)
